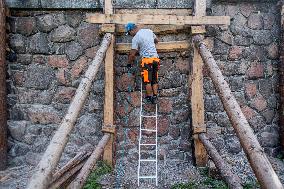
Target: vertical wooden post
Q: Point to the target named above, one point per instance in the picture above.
(3, 106)
(197, 101)
(108, 104)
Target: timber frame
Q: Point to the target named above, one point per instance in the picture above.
(42, 177)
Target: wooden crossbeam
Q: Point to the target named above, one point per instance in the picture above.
(157, 29)
(157, 19)
(161, 46)
(178, 12)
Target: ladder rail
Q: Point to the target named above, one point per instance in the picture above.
(141, 129)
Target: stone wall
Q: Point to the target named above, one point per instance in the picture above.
(247, 53)
(55, 47)
(53, 51)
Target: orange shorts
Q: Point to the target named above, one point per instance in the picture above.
(150, 67)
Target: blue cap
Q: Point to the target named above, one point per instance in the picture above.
(128, 27)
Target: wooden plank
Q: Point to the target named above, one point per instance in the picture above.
(156, 19)
(107, 28)
(178, 12)
(108, 103)
(161, 46)
(197, 101)
(157, 29)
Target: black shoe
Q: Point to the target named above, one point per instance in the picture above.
(154, 99)
(148, 99)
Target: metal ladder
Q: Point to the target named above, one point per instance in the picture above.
(155, 131)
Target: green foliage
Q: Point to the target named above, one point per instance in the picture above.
(251, 185)
(189, 185)
(92, 182)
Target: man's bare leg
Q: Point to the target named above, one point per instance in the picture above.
(155, 89)
(149, 90)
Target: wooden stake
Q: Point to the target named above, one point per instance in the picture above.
(3, 94)
(81, 178)
(233, 180)
(66, 176)
(72, 163)
(256, 155)
(42, 175)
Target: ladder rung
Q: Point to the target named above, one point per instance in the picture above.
(147, 116)
(150, 130)
(148, 144)
(148, 160)
(147, 177)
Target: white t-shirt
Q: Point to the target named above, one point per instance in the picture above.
(143, 41)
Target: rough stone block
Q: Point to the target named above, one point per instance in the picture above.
(268, 115)
(38, 44)
(268, 139)
(213, 104)
(233, 145)
(246, 8)
(48, 22)
(125, 81)
(18, 77)
(63, 34)
(17, 129)
(65, 94)
(74, 50)
(18, 43)
(269, 20)
(74, 19)
(165, 105)
(24, 25)
(250, 89)
(39, 59)
(242, 41)
(235, 53)
(255, 21)
(226, 37)
(39, 77)
(79, 66)
(273, 51)
(24, 59)
(134, 98)
(259, 103)
(58, 61)
(88, 35)
(63, 76)
(91, 52)
(255, 71)
(43, 114)
(262, 37)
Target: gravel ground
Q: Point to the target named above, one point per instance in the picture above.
(169, 173)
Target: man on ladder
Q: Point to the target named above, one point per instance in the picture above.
(144, 41)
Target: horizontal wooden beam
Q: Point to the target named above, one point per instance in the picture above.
(161, 46)
(178, 12)
(156, 19)
(157, 29)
